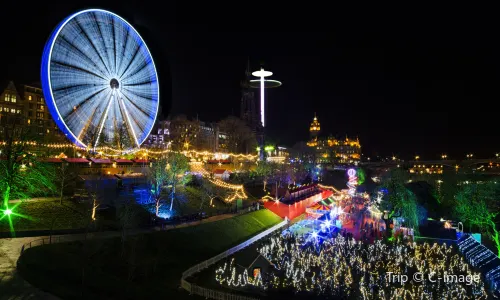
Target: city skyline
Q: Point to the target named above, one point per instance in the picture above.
(361, 80)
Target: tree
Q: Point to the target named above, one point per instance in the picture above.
(239, 137)
(478, 205)
(158, 175)
(121, 137)
(22, 175)
(177, 166)
(65, 177)
(400, 201)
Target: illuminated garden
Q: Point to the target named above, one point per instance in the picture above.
(339, 267)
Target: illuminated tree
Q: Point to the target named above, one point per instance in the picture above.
(158, 178)
(22, 175)
(65, 176)
(478, 205)
(177, 167)
(121, 137)
(400, 201)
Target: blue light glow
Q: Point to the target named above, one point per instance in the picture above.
(98, 78)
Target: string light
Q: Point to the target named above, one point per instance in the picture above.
(346, 268)
(239, 191)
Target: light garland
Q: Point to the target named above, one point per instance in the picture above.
(239, 191)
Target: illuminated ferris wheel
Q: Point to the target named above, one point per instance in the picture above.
(100, 81)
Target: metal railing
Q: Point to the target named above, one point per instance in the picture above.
(214, 294)
(46, 241)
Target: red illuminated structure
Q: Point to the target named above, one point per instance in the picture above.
(294, 202)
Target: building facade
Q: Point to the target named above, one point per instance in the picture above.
(183, 134)
(331, 150)
(25, 105)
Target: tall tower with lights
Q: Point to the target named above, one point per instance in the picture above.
(262, 83)
(315, 128)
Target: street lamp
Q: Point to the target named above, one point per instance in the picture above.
(444, 156)
(417, 157)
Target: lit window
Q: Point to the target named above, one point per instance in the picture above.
(1, 108)
(48, 131)
(13, 98)
(7, 97)
(29, 98)
(18, 111)
(13, 110)
(29, 121)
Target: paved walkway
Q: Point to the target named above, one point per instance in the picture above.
(13, 286)
(39, 199)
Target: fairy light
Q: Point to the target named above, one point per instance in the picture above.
(345, 268)
(239, 191)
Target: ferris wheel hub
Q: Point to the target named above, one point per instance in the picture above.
(114, 83)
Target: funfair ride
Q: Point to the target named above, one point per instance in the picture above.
(100, 81)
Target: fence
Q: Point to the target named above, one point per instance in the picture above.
(46, 241)
(483, 259)
(213, 294)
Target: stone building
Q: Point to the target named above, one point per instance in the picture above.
(331, 150)
(22, 104)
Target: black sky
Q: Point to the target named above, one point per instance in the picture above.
(404, 81)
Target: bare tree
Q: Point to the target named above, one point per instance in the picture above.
(176, 168)
(65, 176)
(157, 176)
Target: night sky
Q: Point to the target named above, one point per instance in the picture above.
(405, 85)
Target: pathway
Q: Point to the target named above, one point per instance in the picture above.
(13, 286)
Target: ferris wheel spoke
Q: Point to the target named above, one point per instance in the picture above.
(103, 29)
(124, 38)
(140, 71)
(82, 103)
(141, 92)
(137, 117)
(80, 115)
(123, 75)
(72, 69)
(87, 114)
(91, 43)
(127, 118)
(78, 56)
(102, 121)
(114, 43)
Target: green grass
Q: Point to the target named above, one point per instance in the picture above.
(150, 265)
(41, 214)
(188, 200)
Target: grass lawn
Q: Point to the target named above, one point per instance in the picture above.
(146, 266)
(41, 214)
(188, 200)
(44, 214)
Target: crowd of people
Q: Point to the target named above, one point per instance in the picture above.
(342, 267)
